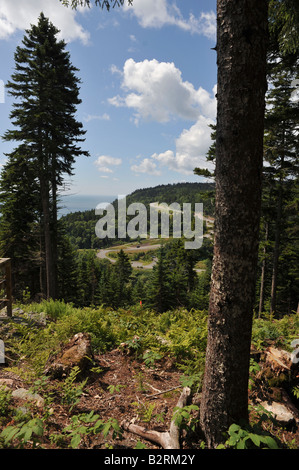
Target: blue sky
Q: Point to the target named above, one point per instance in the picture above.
(148, 87)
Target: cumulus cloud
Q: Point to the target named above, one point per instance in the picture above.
(156, 91)
(157, 13)
(146, 166)
(191, 149)
(104, 162)
(190, 152)
(19, 15)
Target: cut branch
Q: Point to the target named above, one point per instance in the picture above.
(161, 392)
(167, 439)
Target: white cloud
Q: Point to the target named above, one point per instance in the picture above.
(191, 149)
(157, 13)
(156, 91)
(146, 166)
(19, 15)
(115, 69)
(92, 117)
(104, 162)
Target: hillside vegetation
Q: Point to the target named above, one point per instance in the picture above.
(139, 361)
(80, 226)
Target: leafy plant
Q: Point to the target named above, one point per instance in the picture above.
(295, 391)
(192, 381)
(17, 436)
(134, 344)
(5, 399)
(253, 369)
(140, 445)
(115, 388)
(87, 424)
(182, 417)
(247, 438)
(150, 357)
(71, 392)
(43, 387)
(144, 410)
(140, 381)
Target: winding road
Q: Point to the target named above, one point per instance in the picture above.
(103, 254)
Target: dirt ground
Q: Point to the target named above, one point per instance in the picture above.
(124, 389)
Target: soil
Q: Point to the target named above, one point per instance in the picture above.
(122, 390)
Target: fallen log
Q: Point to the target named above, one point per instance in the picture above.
(167, 439)
(279, 359)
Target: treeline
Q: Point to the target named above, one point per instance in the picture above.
(86, 280)
(178, 192)
(278, 284)
(277, 288)
(80, 226)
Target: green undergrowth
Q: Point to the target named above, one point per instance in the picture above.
(179, 334)
(149, 337)
(267, 330)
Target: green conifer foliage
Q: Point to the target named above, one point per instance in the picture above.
(46, 92)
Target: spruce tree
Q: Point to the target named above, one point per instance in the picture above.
(281, 154)
(46, 92)
(160, 295)
(19, 231)
(122, 271)
(68, 270)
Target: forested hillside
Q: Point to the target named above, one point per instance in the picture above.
(80, 226)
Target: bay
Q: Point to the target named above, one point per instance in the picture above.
(79, 202)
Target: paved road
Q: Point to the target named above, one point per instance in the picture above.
(103, 254)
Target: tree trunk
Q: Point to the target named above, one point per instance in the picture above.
(241, 50)
(262, 288)
(50, 268)
(54, 232)
(277, 238)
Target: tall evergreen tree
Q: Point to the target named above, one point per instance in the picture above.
(19, 230)
(281, 153)
(122, 271)
(160, 294)
(46, 92)
(67, 270)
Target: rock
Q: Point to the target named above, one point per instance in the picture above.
(38, 319)
(283, 415)
(76, 353)
(23, 394)
(6, 382)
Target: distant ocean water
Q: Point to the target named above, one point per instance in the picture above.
(75, 203)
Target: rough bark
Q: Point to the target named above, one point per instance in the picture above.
(50, 268)
(241, 59)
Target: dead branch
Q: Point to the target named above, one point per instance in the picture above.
(168, 439)
(163, 391)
